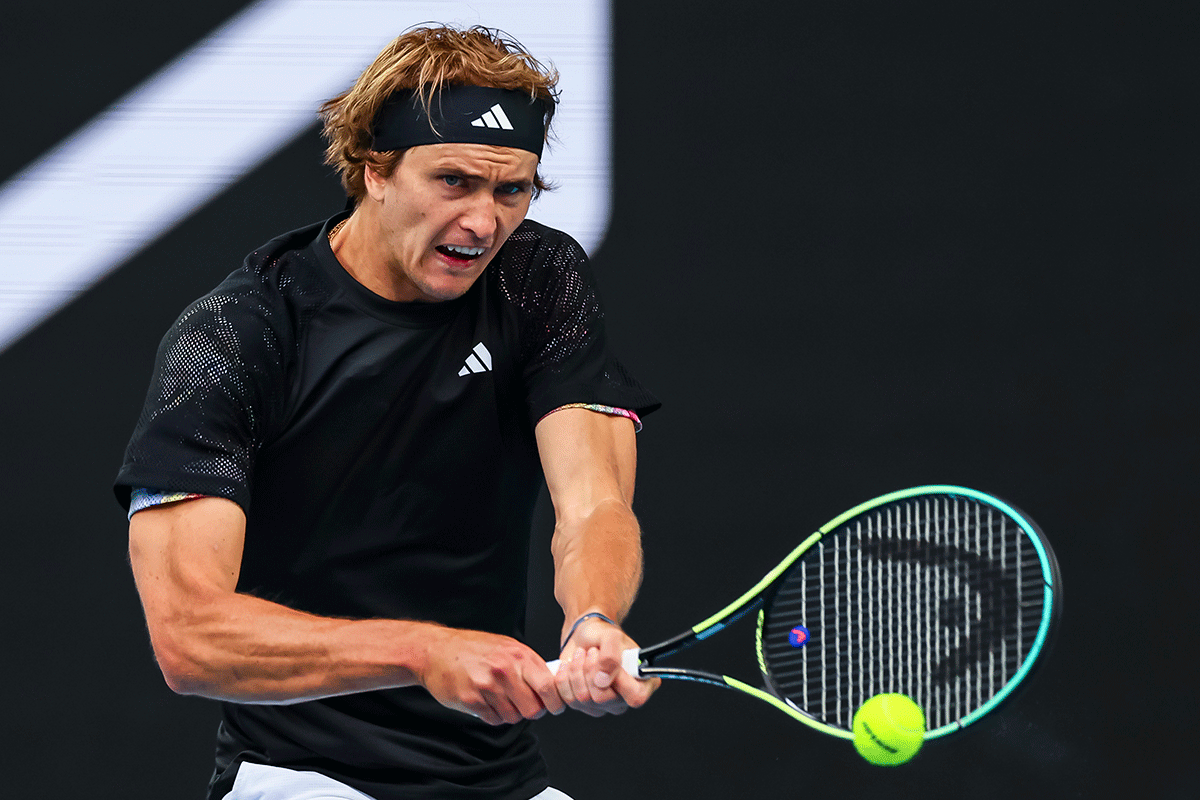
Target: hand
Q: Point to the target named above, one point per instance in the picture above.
(590, 678)
(493, 677)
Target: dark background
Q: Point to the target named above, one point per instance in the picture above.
(853, 249)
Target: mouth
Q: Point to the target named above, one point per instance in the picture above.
(460, 254)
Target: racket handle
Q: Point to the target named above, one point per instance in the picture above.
(630, 662)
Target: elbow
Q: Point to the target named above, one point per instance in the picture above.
(178, 678)
(181, 668)
(178, 671)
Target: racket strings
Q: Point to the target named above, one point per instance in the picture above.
(936, 597)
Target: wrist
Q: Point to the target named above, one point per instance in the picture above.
(580, 621)
(414, 646)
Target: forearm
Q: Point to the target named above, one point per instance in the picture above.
(598, 568)
(245, 649)
(598, 562)
(212, 641)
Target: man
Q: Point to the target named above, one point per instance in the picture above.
(332, 482)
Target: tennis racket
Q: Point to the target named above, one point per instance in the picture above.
(942, 593)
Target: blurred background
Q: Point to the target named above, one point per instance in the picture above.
(852, 247)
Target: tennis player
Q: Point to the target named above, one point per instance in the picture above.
(332, 482)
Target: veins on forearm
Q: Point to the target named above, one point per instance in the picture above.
(598, 561)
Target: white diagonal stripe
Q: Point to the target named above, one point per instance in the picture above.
(474, 365)
(489, 120)
(478, 123)
(221, 108)
(484, 354)
(501, 117)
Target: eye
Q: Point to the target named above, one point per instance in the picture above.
(510, 189)
(453, 180)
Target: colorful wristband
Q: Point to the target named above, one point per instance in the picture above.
(589, 615)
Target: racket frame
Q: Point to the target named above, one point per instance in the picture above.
(754, 598)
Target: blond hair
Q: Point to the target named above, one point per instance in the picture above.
(424, 59)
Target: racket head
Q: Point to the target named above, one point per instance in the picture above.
(943, 593)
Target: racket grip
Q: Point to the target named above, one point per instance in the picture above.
(630, 662)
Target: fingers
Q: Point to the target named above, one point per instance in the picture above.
(502, 681)
(608, 658)
(495, 678)
(495, 710)
(591, 678)
(634, 691)
(543, 683)
(586, 685)
(572, 681)
(526, 692)
(601, 668)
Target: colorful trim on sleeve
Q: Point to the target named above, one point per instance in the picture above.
(141, 499)
(610, 410)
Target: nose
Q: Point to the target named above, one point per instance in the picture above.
(479, 218)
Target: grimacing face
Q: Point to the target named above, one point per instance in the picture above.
(444, 213)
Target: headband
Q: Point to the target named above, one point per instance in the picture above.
(469, 114)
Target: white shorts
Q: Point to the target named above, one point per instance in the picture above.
(260, 782)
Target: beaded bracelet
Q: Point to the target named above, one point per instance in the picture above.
(589, 615)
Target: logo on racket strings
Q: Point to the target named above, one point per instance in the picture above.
(798, 636)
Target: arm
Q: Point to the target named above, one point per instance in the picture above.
(212, 641)
(589, 460)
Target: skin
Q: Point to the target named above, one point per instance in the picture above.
(470, 195)
(589, 460)
(210, 640)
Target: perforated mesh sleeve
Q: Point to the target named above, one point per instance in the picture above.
(564, 353)
(218, 383)
(202, 420)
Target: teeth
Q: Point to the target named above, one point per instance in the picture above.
(466, 251)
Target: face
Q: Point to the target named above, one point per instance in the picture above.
(443, 214)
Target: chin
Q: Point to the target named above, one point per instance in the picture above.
(447, 290)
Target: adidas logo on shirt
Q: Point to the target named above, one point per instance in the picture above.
(480, 360)
(494, 118)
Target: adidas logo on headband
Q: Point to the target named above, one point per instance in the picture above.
(494, 118)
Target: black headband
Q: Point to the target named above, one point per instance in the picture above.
(470, 114)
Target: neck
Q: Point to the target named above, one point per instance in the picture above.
(356, 245)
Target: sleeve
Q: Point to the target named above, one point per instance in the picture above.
(141, 498)
(210, 401)
(566, 357)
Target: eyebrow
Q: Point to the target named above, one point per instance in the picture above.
(459, 169)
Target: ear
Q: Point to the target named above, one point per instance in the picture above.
(374, 183)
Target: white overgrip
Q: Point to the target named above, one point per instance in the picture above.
(630, 662)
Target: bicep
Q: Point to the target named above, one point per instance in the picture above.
(588, 458)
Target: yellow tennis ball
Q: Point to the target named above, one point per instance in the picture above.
(889, 729)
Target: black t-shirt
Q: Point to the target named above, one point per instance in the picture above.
(384, 455)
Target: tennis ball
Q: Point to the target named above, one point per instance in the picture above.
(889, 729)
